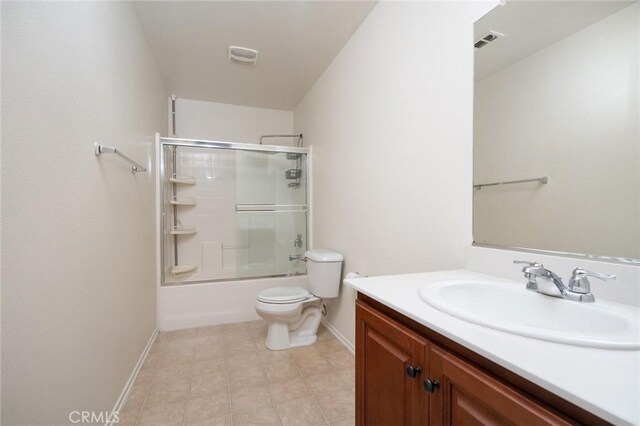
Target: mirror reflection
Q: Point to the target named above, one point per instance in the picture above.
(556, 128)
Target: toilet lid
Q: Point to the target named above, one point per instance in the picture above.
(283, 295)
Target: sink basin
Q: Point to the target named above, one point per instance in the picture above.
(511, 308)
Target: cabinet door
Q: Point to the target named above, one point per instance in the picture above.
(467, 396)
(386, 393)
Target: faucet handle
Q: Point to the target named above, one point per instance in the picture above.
(532, 265)
(578, 283)
(526, 262)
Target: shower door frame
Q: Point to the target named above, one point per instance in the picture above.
(162, 142)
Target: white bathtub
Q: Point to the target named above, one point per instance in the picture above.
(199, 305)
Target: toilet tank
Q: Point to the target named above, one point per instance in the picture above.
(323, 272)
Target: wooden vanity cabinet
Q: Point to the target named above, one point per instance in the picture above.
(406, 376)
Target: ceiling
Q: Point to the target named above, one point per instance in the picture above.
(530, 26)
(296, 41)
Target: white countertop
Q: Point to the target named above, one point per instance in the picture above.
(603, 382)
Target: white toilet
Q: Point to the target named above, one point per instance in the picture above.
(294, 313)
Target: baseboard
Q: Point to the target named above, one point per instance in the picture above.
(350, 347)
(122, 399)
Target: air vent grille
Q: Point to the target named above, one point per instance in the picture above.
(487, 38)
(243, 56)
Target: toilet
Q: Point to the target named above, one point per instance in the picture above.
(293, 313)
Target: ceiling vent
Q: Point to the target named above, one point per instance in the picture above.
(488, 38)
(243, 56)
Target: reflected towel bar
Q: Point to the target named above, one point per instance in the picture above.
(543, 180)
(102, 149)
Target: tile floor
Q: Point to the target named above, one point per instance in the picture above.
(224, 375)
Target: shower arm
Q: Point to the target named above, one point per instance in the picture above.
(298, 143)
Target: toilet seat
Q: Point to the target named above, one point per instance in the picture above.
(283, 295)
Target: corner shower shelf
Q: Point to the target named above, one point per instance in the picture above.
(181, 270)
(184, 180)
(183, 230)
(183, 201)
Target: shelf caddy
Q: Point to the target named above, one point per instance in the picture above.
(183, 201)
(183, 230)
(183, 180)
(181, 270)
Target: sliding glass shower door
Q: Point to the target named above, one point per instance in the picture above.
(232, 213)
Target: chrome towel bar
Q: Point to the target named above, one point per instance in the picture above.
(103, 149)
(543, 180)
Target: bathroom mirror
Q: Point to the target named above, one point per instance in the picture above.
(556, 163)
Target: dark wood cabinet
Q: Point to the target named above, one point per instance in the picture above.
(407, 374)
(389, 364)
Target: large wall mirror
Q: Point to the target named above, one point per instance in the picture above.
(556, 128)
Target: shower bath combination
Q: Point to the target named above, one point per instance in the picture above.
(231, 211)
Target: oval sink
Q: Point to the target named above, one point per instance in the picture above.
(513, 309)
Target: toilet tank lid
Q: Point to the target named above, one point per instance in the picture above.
(321, 255)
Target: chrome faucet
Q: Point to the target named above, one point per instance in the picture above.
(578, 289)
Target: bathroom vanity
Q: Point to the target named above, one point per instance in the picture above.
(418, 365)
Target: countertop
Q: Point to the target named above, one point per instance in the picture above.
(601, 381)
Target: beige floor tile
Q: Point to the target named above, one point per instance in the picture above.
(329, 345)
(265, 415)
(216, 351)
(209, 386)
(241, 347)
(210, 366)
(177, 355)
(165, 392)
(152, 359)
(246, 376)
(249, 399)
(200, 376)
(181, 334)
(210, 340)
(212, 330)
(311, 365)
(146, 374)
(201, 410)
(341, 359)
(235, 328)
(325, 383)
(223, 420)
(283, 391)
(128, 416)
(346, 421)
(274, 356)
(300, 412)
(258, 324)
(337, 405)
(281, 371)
(236, 361)
(137, 394)
(171, 414)
(173, 372)
(347, 376)
(304, 352)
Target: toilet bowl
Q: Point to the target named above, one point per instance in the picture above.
(294, 313)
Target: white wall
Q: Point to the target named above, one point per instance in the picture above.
(390, 122)
(231, 123)
(570, 112)
(78, 268)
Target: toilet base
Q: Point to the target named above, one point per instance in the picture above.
(283, 335)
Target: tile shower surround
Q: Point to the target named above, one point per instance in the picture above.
(224, 375)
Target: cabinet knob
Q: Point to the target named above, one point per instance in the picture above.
(430, 385)
(412, 371)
